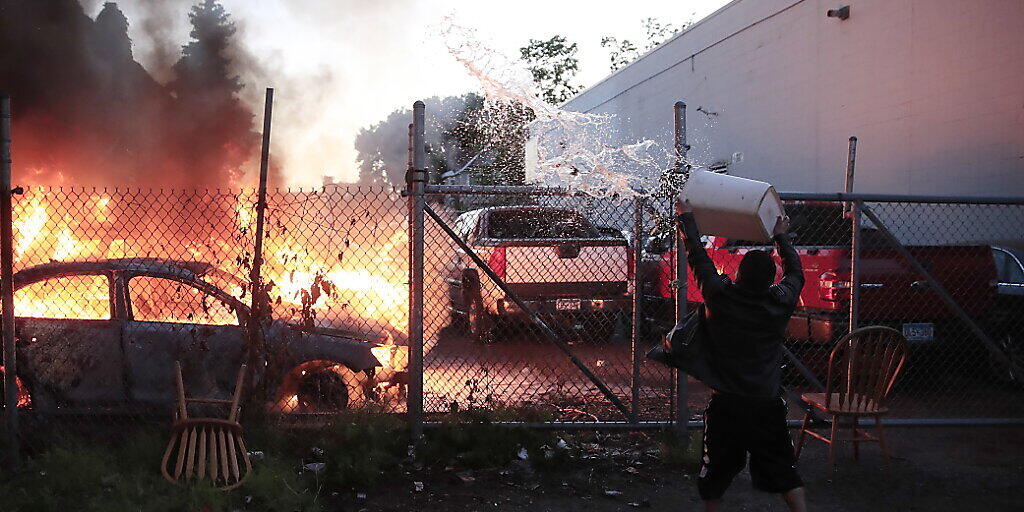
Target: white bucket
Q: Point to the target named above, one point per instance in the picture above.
(733, 207)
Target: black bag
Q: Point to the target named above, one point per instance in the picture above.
(688, 347)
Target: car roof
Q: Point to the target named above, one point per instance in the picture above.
(175, 268)
(1018, 252)
(514, 208)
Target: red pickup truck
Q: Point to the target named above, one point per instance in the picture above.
(891, 292)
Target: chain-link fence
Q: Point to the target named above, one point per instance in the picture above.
(113, 287)
(947, 273)
(572, 262)
(539, 309)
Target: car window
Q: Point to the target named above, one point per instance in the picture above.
(517, 224)
(1008, 269)
(80, 297)
(155, 299)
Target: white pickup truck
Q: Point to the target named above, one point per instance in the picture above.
(553, 258)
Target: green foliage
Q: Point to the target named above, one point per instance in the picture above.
(294, 468)
(622, 52)
(463, 133)
(681, 450)
(553, 65)
(471, 439)
(363, 452)
(76, 475)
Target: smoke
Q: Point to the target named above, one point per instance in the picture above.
(87, 113)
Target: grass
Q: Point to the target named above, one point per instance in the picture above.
(679, 450)
(296, 470)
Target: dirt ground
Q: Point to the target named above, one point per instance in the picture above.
(934, 469)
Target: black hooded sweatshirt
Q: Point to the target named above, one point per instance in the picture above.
(746, 327)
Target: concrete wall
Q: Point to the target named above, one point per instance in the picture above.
(933, 89)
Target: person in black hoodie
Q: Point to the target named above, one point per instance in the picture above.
(746, 321)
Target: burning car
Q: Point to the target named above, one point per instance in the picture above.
(105, 335)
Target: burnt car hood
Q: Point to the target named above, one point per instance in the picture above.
(308, 346)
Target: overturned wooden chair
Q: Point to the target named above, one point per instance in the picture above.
(862, 369)
(207, 448)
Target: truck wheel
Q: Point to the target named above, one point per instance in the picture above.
(1011, 345)
(479, 323)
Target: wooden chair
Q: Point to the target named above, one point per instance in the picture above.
(861, 371)
(207, 448)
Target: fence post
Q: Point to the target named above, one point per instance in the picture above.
(682, 405)
(635, 289)
(853, 210)
(257, 309)
(417, 196)
(7, 286)
(855, 250)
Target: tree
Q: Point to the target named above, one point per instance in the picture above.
(463, 133)
(112, 33)
(216, 128)
(553, 65)
(622, 52)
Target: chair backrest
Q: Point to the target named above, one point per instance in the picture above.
(863, 366)
(183, 401)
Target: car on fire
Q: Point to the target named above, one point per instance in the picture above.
(104, 335)
(563, 267)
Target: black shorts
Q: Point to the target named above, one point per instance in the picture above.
(735, 426)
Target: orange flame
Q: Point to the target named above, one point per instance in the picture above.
(366, 286)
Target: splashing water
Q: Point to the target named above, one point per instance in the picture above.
(569, 149)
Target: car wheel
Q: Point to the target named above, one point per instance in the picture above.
(322, 390)
(479, 323)
(1010, 344)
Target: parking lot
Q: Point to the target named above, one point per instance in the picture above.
(526, 370)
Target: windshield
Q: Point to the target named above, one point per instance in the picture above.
(539, 223)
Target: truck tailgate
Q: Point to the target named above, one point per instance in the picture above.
(567, 262)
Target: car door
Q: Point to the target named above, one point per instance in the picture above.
(172, 319)
(69, 342)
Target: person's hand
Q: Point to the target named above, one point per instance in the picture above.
(683, 206)
(781, 225)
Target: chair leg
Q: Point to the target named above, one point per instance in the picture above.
(881, 440)
(803, 433)
(833, 440)
(856, 444)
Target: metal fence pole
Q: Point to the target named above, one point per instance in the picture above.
(258, 307)
(635, 289)
(7, 285)
(853, 209)
(855, 249)
(682, 405)
(416, 185)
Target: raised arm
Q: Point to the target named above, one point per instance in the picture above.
(704, 271)
(792, 271)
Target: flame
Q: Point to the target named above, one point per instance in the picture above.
(364, 285)
(24, 399)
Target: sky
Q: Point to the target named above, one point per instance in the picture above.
(338, 66)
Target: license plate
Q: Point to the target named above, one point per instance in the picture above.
(567, 304)
(919, 332)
